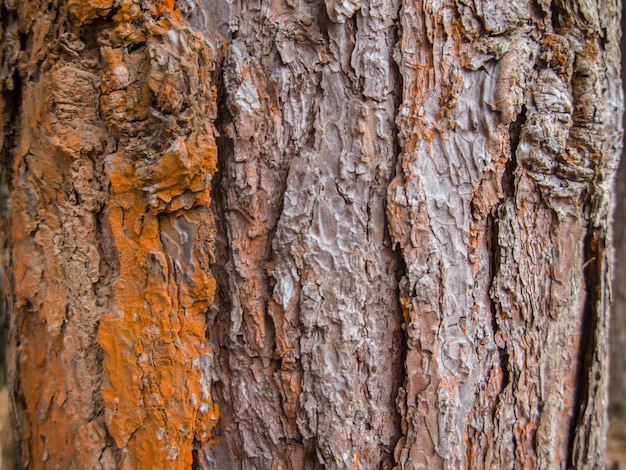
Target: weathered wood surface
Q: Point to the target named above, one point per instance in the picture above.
(340, 234)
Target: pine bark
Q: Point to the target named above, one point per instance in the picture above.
(338, 234)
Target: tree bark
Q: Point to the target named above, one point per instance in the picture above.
(339, 234)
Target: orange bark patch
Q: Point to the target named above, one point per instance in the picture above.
(168, 6)
(158, 365)
(85, 11)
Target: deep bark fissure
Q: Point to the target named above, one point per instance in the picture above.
(401, 268)
(11, 110)
(12, 124)
(10, 115)
(494, 251)
(217, 322)
(587, 340)
(109, 263)
(508, 175)
(558, 13)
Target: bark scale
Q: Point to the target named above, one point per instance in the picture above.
(341, 234)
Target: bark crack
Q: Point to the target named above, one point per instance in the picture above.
(400, 266)
(494, 268)
(508, 176)
(588, 345)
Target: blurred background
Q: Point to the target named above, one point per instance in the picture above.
(616, 445)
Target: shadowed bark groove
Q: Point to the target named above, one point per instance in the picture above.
(324, 234)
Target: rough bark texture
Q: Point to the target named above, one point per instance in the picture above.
(339, 234)
(111, 234)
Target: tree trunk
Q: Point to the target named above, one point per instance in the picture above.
(339, 234)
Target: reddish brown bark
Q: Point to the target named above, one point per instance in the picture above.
(341, 234)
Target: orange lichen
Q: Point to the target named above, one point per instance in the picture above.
(558, 54)
(55, 264)
(169, 6)
(158, 365)
(154, 340)
(85, 11)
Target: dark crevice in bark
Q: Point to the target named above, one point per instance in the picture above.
(558, 16)
(109, 263)
(401, 272)
(508, 176)
(195, 463)
(104, 287)
(494, 269)
(589, 324)
(11, 116)
(13, 100)
(90, 33)
(401, 269)
(218, 318)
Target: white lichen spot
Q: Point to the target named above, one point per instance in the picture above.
(152, 330)
(174, 37)
(247, 97)
(172, 452)
(121, 76)
(400, 196)
(204, 362)
(284, 289)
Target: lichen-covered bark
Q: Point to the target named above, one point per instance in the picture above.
(338, 234)
(111, 233)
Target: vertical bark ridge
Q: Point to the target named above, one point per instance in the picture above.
(451, 134)
(158, 98)
(455, 135)
(313, 148)
(255, 318)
